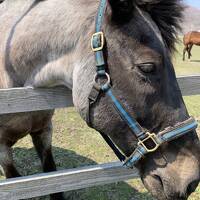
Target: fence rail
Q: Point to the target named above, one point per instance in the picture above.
(15, 100)
(64, 180)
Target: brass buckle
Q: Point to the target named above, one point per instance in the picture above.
(101, 36)
(152, 137)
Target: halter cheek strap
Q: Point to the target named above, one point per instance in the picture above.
(147, 142)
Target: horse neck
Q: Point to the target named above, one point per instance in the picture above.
(67, 38)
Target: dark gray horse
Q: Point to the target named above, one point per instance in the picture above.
(47, 43)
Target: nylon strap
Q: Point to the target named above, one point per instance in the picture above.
(131, 122)
(99, 56)
(163, 137)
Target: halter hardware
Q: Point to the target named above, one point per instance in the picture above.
(147, 142)
(151, 139)
(107, 76)
(97, 41)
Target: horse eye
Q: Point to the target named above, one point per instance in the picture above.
(147, 67)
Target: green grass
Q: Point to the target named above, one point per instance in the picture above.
(74, 145)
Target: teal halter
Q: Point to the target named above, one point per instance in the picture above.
(147, 142)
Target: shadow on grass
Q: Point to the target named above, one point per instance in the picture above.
(27, 163)
(195, 61)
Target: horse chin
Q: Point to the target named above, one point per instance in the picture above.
(165, 185)
(155, 186)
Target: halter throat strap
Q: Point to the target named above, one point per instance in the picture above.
(147, 142)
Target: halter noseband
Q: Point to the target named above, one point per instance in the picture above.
(147, 142)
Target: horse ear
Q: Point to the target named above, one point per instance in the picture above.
(121, 9)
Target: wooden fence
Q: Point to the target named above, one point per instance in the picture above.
(17, 100)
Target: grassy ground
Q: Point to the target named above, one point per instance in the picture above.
(75, 145)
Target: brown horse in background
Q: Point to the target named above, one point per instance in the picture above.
(190, 39)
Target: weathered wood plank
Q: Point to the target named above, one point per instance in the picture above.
(189, 85)
(16, 100)
(66, 180)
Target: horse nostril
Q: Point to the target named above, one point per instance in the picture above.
(192, 186)
(159, 179)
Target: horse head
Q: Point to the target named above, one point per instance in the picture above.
(140, 37)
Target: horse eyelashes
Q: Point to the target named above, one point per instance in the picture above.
(147, 67)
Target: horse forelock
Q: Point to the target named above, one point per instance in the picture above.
(151, 24)
(167, 14)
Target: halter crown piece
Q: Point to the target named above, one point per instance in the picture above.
(147, 142)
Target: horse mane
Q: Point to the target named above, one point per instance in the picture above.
(167, 14)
